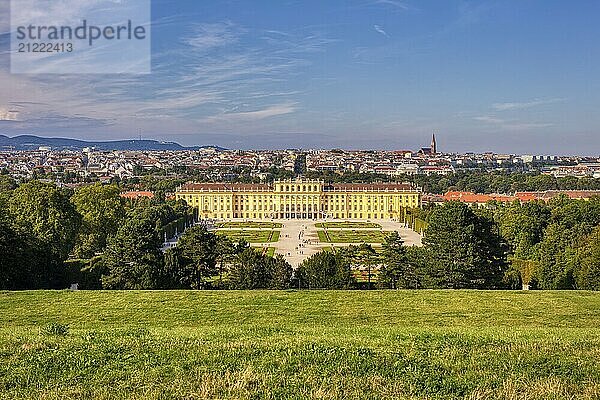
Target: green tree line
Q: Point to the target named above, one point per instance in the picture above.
(51, 237)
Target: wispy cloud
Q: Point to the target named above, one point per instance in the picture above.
(255, 115)
(497, 121)
(470, 13)
(524, 105)
(511, 125)
(8, 115)
(379, 29)
(206, 76)
(489, 119)
(393, 3)
(210, 36)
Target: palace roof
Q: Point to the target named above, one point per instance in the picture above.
(225, 187)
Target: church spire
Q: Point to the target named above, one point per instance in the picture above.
(433, 145)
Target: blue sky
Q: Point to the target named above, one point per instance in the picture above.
(491, 75)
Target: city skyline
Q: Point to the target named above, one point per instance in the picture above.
(502, 76)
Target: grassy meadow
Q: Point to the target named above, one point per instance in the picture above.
(300, 345)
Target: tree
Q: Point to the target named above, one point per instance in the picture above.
(41, 231)
(133, 259)
(25, 265)
(464, 249)
(325, 270)
(172, 260)
(587, 265)
(249, 271)
(227, 252)
(523, 226)
(198, 251)
(13, 271)
(281, 272)
(103, 212)
(571, 222)
(46, 212)
(396, 270)
(362, 256)
(7, 185)
(554, 271)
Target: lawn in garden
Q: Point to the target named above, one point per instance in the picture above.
(251, 236)
(350, 236)
(267, 251)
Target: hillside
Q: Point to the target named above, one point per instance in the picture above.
(297, 345)
(29, 142)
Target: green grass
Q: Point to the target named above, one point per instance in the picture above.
(347, 225)
(249, 224)
(323, 238)
(266, 236)
(352, 236)
(275, 236)
(300, 345)
(268, 251)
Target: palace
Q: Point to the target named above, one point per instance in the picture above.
(301, 199)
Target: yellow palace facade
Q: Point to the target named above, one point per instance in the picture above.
(300, 199)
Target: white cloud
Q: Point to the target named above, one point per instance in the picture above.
(393, 3)
(524, 105)
(191, 83)
(207, 37)
(8, 115)
(64, 12)
(511, 125)
(256, 115)
(379, 29)
(489, 119)
(525, 126)
(106, 56)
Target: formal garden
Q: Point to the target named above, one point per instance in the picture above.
(266, 251)
(250, 236)
(351, 236)
(348, 225)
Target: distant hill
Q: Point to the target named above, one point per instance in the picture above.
(30, 142)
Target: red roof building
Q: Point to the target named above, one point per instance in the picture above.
(137, 195)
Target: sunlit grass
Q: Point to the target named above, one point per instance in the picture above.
(298, 345)
(267, 251)
(251, 236)
(349, 236)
